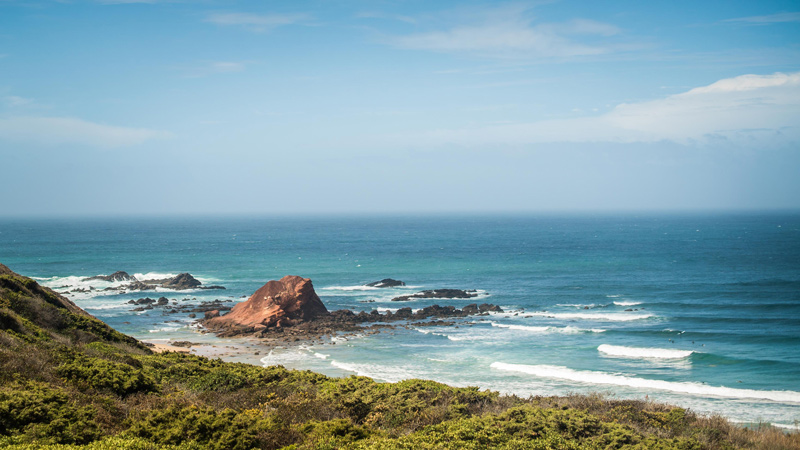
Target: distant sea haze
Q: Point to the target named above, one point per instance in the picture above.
(702, 311)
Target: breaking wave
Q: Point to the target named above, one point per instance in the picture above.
(643, 352)
(595, 377)
(606, 317)
(548, 330)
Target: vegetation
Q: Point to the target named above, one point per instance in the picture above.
(68, 381)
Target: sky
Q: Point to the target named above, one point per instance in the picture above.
(170, 107)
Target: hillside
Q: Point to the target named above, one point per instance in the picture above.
(68, 380)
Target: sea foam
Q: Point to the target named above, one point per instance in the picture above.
(643, 352)
(605, 317)
(547, 330)
(392, 374)
(595, 377)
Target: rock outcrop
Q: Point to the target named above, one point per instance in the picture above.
(283, 303)
(116, 276)
(181, 281)
(385, 283)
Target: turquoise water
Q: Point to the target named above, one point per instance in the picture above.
(702, 311)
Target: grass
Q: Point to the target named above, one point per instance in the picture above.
(68, 381)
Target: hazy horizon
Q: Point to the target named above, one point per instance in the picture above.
(127, 108)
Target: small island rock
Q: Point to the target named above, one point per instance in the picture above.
(282, 303)
(181, 281)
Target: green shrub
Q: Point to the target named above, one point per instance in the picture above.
(212, 429)
(100, 374)
(43, 414)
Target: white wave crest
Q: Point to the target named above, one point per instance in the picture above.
(293, 356)
(391, 374)
(786, 426)
(547, 330)
(107, 306)
(627, 303)
(605, 317)
(165, 329)
(154, 276)
(350, 288)
(643, 352)
(595, 377)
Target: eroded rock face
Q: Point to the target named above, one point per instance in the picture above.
(282, 303)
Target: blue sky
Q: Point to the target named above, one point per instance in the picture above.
(234, 107)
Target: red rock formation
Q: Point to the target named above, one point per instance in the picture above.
(283, 303)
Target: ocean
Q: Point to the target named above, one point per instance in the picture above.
(697, 310)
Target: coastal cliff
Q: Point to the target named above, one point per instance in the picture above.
(69, 381)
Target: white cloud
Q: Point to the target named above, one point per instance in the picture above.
(212, 68)
(751, 110)
(255, 22)
(510, 32)
(769, 19)
(67, 130)
(15, 101)
(227, 66)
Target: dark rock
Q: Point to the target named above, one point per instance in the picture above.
(116, 276)
(472, 308)
(181, 281)
(403, 312)
(142, 301)
(385, 283)
(162, 301)
(138, 286)
(486, 307)
(438, 293)
(212, 314)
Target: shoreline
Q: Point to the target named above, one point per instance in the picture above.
(252, 350)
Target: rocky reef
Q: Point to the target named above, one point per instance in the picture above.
(179, 282)
(290, 308)
(438, 293)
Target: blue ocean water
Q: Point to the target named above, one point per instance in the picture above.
(702, 311)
